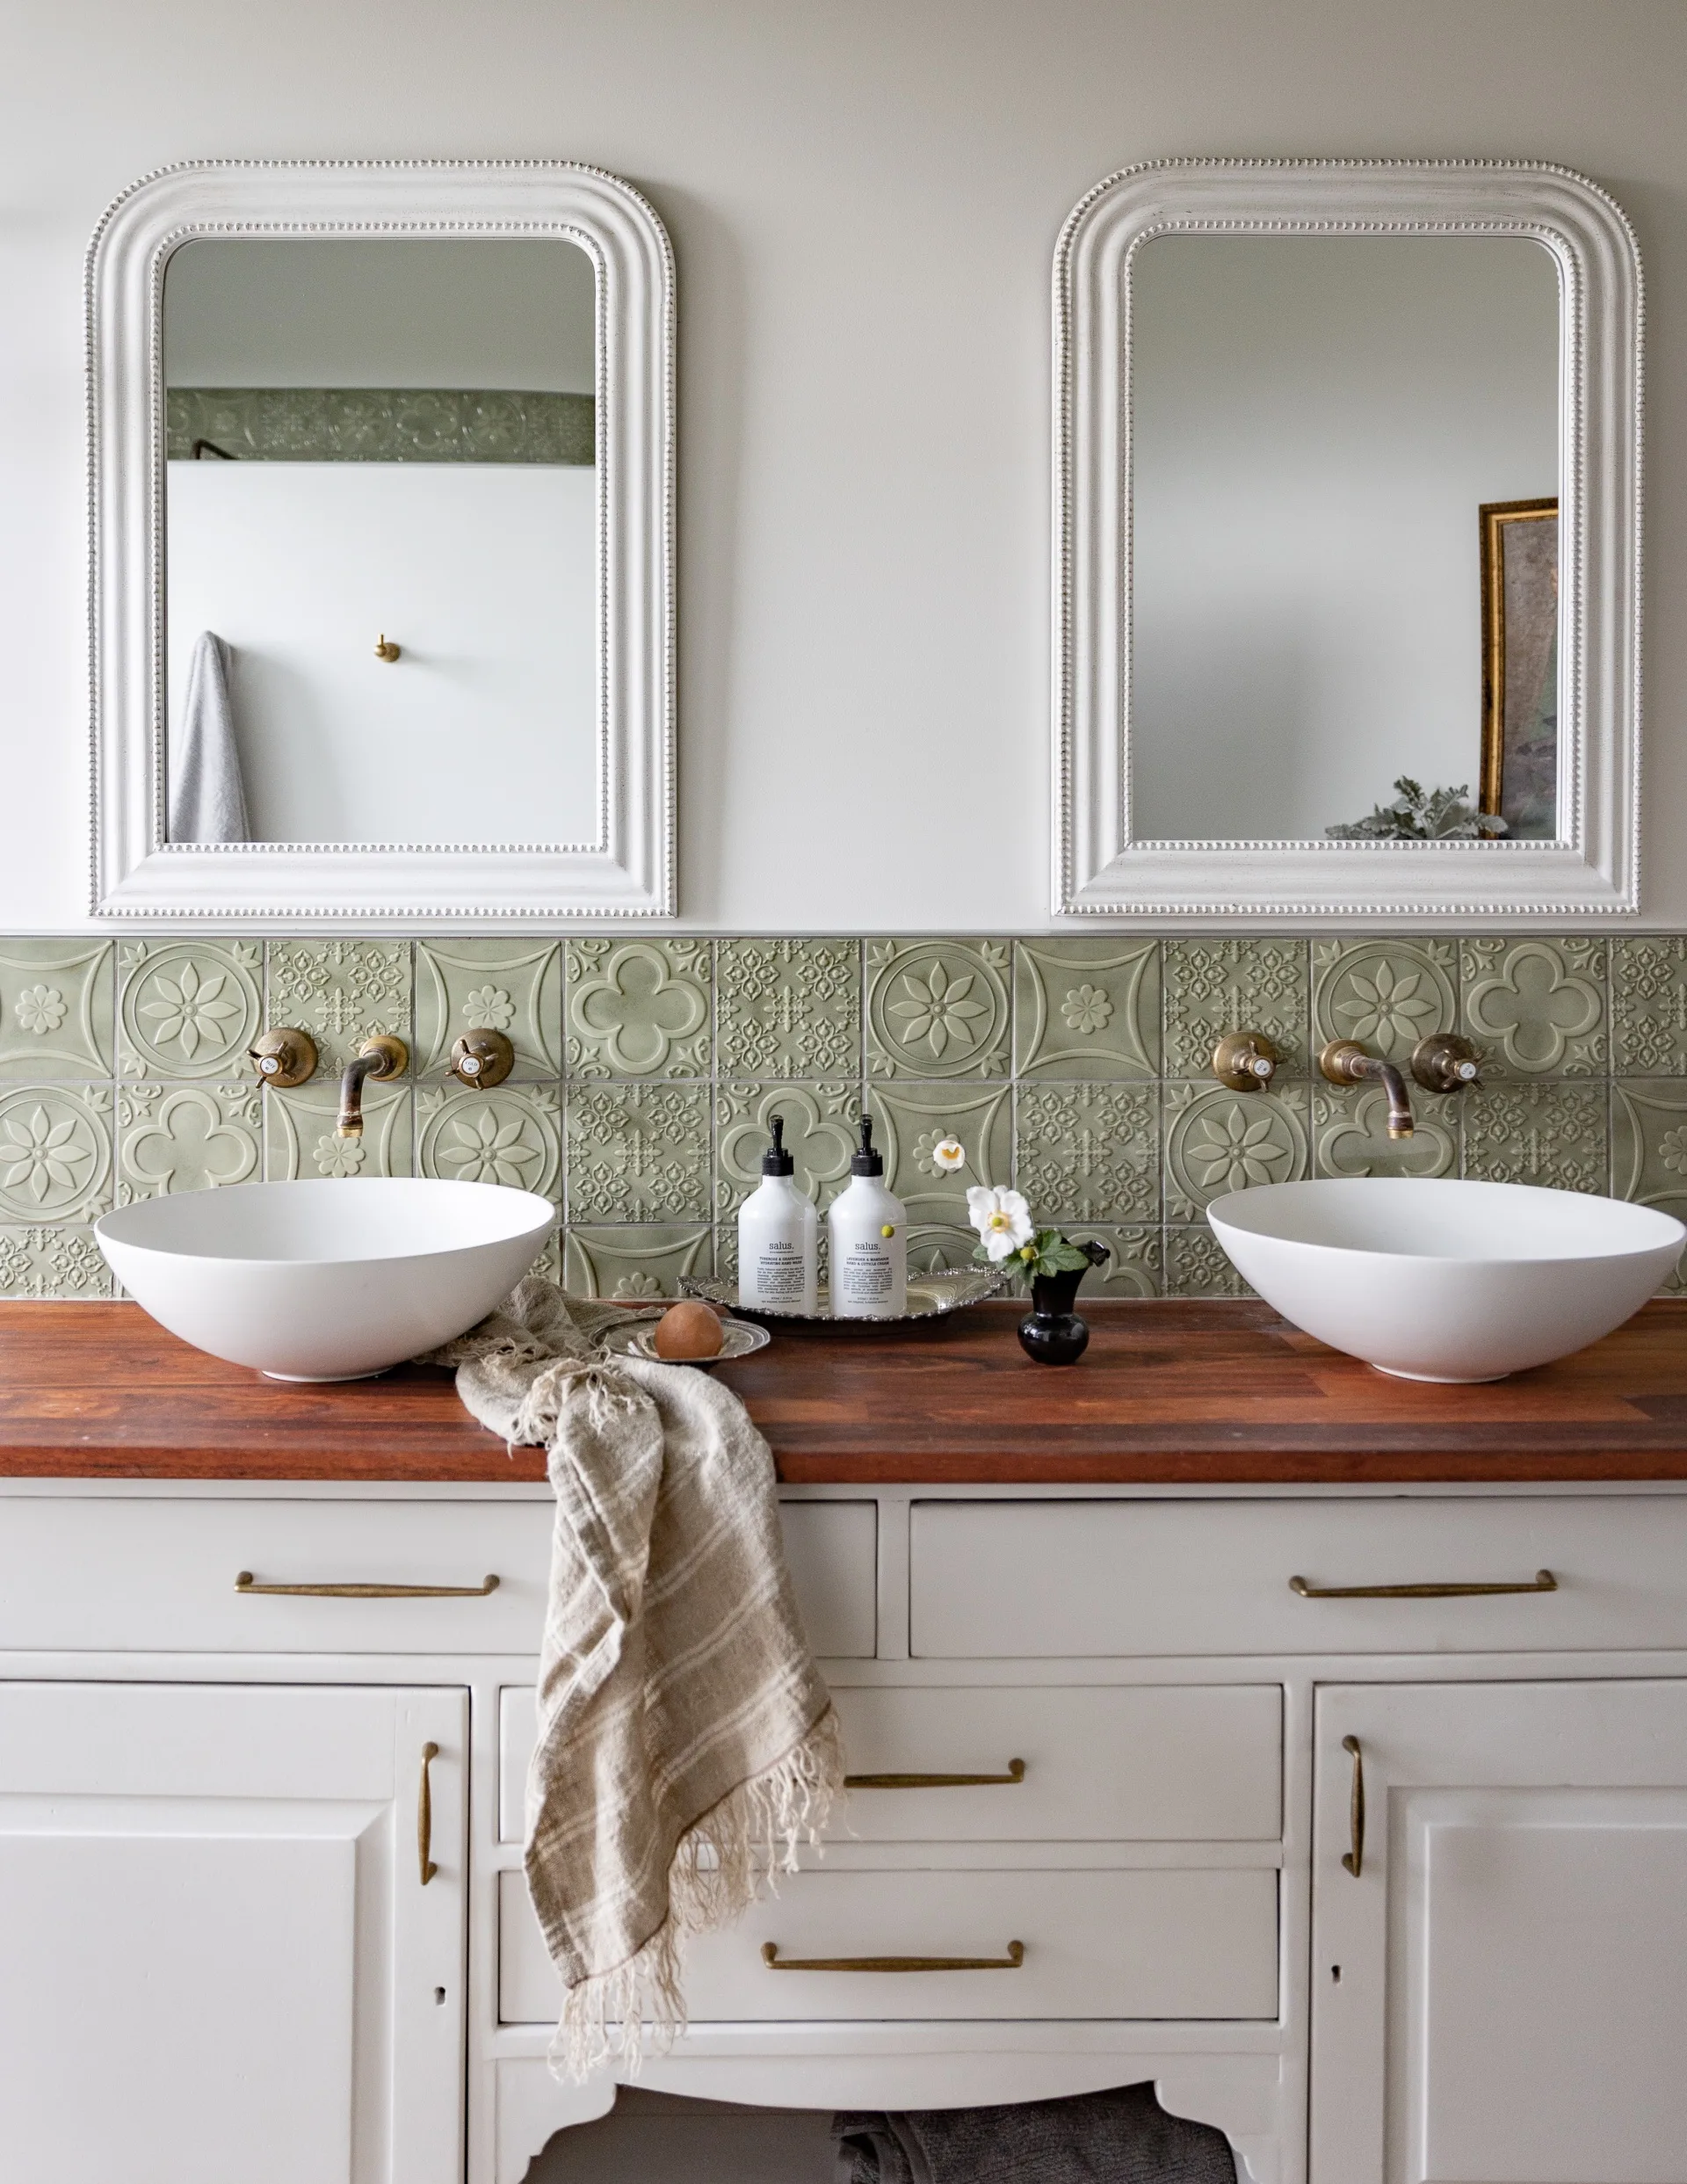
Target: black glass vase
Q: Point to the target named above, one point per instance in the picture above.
(1051, 1332)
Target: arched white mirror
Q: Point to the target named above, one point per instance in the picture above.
(382, 484)
(1347, 549)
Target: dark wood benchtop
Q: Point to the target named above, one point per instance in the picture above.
(1169, 1393)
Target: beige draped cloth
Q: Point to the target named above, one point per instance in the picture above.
(686, 1742)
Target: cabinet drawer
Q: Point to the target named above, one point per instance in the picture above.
(993, 1580)
(1164, 1944)
(1196, 1765)
(158, 1575)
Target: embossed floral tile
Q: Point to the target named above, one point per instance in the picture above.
(636, 1262)
(1649, 1005)
(638, 1152)
(1555, 1134)
(300, 1141)
(939, 1008)
(1086, 1008)
(64, 1265)
(513, 986)
(55, 1009)
(511, 1135)
(1216, 1142)
(788, 1008)
(342, 992)
(1088, 1152)
(1385, 993)
(1226, 984)
(56, 1153)
(188, 1008)
(638, 1008)
(912, 1120)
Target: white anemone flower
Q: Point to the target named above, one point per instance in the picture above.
(1002, 1218)
(949, 1154)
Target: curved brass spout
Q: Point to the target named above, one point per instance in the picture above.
(379, 1058)
(1345, 1061)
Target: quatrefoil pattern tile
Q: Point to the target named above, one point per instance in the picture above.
(1537, 1008)
(638, 1008)
(819, 1132)
(188, 1137)
(1350, 1125)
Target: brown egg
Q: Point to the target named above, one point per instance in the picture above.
(689, 1330)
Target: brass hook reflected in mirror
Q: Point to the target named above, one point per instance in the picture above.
(387, 649)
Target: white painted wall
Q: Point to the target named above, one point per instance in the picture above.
(483, 574)
(1316, 421)
(343, 312)
(863, 202)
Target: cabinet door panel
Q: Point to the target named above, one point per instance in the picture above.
(219, 1956)
(1512, 1999)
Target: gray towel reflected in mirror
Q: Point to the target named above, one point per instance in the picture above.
(207, 798)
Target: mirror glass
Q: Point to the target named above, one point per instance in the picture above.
(1344, 472)
(381, 522)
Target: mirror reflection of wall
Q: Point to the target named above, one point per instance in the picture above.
(374, 442)
(1318, 425)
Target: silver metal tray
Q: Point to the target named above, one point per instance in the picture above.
(738, 1339)
(929, 1296)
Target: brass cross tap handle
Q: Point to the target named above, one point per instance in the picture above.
(1353, 1858)
(283, 1057)
(1246, 1061)
(482, 1058)
(425, 1817)
(1011, 1961)
(1444, 1063)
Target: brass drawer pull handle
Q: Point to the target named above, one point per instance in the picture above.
(1015, 1774)
(1543, 1581)
(1011, 1961)
(1354, 1858)
(424, 1817)
(247, 1583)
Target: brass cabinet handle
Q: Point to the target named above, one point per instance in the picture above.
(1011, 1961)
(1543, 1581)
(1353, 1859)
(247, 1583)
(1015, 1774)
(424, 1817)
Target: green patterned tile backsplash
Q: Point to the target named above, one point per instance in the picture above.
(648, 1065)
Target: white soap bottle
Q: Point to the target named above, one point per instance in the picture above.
(778, 1239)
(869, 1241)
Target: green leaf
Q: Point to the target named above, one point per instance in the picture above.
(1062, 1257)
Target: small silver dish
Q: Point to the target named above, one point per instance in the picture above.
(929, 1296)
(738, 1339)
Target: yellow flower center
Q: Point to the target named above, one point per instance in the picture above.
(1000, 1221)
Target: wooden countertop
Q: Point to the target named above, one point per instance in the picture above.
(1169, 1393)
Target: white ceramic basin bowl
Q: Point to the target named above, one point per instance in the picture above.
(1442, 1279)
(325, 1280)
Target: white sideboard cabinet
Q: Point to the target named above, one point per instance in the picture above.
(1390, 1887)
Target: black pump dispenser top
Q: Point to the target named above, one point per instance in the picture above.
(776, 1160)
(866, 1162)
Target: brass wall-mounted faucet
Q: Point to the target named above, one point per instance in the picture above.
(1441, 1063)
(381, 1057)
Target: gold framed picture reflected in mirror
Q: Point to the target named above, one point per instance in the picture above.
(1519, 579)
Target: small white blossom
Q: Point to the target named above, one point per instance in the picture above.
(1002, 1218)
(949, 1154)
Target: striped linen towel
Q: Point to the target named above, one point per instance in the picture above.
(686, 1742)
